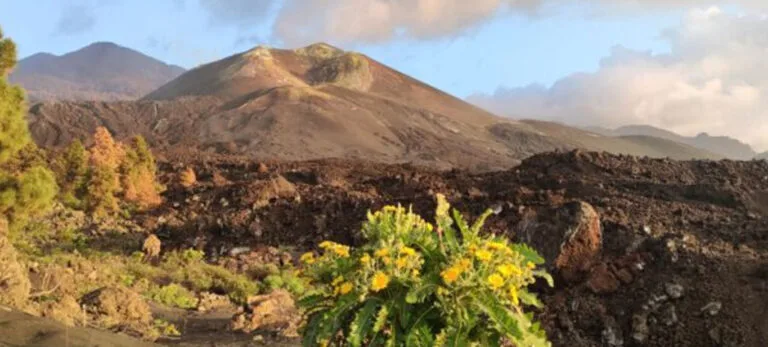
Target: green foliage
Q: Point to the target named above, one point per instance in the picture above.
(412, 285)
(71, 168)
(26, 187)
(285, 279)
(173, 295)
(188, 268)
(100, 199)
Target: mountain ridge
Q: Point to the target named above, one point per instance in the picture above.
(99, 71)
(320, 101)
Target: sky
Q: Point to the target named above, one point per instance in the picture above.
(689, 66)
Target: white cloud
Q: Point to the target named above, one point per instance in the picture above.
(299, 22)
(714, 80)
(348, 21)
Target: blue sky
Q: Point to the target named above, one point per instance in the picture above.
(512, 50)
(689, 66)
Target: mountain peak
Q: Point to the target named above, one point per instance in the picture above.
(99, 71)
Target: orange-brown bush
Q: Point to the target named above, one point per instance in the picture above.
(139, 179)
(187, 178)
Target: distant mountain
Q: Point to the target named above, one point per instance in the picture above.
(323, 102)
(100, 71)
(723, 145)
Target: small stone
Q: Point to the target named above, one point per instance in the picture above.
(602, 280)
(612, 337)
(675, 291)
(647, 229)
(195, 197)
(258, 339)
(712, 308)
(625, 276)
(669, 316)
(640, 327)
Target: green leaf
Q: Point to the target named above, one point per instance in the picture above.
(480, 222)
(546, 276)
(452, 337)
(498, 313)
(529, 299)
(419, 336)
(421, 291)
(528, 253)
(362, 325)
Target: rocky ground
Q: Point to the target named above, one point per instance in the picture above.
(646, 252)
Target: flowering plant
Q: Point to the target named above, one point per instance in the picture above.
(412, 284)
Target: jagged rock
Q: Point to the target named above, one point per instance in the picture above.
(262, 192)
(569, 236)
(275, 311)
(14, 279)
(640, 327)
(66, 311)
(712, 308)
(118, 308)
(211, 302)
(669, 316)
(602, 280)
(675, 291)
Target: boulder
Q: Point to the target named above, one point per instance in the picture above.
(569, 237)
(275, 311)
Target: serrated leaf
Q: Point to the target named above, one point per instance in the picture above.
(478, 224)
(528, 253)
(529, 299)
(420, 292)
(362, 325)
(498, 314)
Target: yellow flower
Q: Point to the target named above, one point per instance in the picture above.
(342, 251)
(408, 251)
(472, 248)
(507, 270)
(323, 343)
(365, 259)
(465, 264)
(380, 281)
(429, 227)
(451, 274)
(401, 262)
(345, 288)
(530, 265)
(496, 245)
(307, 258)
(483, 255)
(415, 273)
(383, 252)
(513, 296)
(326, 244)
(337, 280)
(495, 281)
(386, 260)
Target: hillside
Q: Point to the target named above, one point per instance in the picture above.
(722, 145)
(100, 71)
(319, 102)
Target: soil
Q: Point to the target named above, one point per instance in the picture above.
(682, 260)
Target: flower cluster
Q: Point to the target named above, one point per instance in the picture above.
(416, 283)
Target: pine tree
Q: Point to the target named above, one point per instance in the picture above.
(139, 176)
(106, 156)
(71, 168)
(26, 185)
